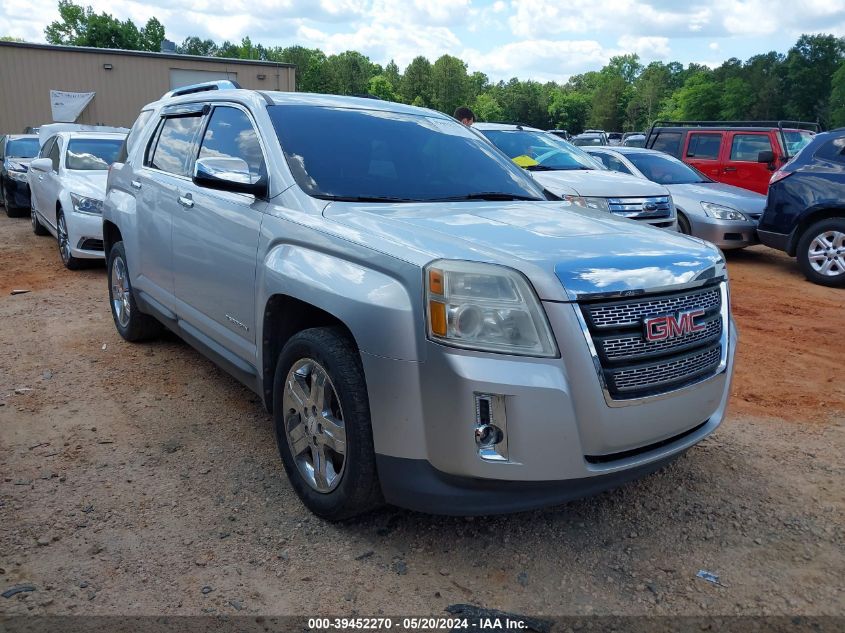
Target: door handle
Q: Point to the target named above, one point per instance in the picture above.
(41, 178)
(727, 169)
(136, 184)
(186, 201)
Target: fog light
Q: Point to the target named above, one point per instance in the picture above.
(491, 427)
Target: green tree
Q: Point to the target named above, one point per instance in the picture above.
(569, 110)
(609, 103)
(196, 46)
(736, 100)
(391, 72)
(486, 108)
(449, 84)
(80, 26)
(152, 35)
(837, 98)
(348, 73)
(310, 66)
(380, 86)
(416, 82)
(809, 66)
(698, 99)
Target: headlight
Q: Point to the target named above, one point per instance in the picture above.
(722, 212)
(589, 203)
(485, 307)
(20, 176)
(83, 204)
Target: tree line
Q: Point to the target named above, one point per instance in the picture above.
(807, 83)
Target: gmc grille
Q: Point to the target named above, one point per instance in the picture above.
(650, 208)
(634, 367)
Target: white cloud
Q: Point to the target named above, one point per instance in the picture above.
(541, 60)
(649, 48)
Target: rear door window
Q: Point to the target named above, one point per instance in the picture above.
(704, 146)
(174, 146)
(746, 147)
(669, 142)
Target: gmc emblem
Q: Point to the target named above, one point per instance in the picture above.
(666, 327)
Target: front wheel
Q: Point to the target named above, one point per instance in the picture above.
(683, 225)
(821, 253)
(132, 324)
(70, 262)
(322, 419)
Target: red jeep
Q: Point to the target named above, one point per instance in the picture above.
(740, 153)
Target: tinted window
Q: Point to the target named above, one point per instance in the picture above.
(139, 124)
(588, 140)
(55, 149)
(92, 153)
(704, 146)
(665, 170)
(669, 142)
(796, 141)
(22, 148)
(746, 147)
(611, 162)
(833, 150)
(230, 135)
(175, 147)
(45, 149)
(539, 150)
(349, 153)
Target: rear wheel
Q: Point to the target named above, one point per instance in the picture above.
(70, 262)
(132, 324)
(821, 252)
(37, 227)
(322, 420)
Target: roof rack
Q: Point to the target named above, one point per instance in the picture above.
(222, 84)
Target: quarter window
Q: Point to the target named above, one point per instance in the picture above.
(55, 153)
(704, 146)
(230, 134)
(833, 150)
(175, 147)
(669, 142)
(746, 147)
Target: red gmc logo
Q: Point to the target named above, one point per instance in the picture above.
(666, 327)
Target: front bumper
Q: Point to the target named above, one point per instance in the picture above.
(563, 440)
(16, 194)
(726, 234)
(85, 234)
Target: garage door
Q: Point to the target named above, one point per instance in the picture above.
(183, 77)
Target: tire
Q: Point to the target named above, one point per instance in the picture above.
(132, 324)
(70, 262)
(347, 485)
(683, 225)
(37, 227)
(821, 253)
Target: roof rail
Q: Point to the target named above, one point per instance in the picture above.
(222, 84)
(815, 126)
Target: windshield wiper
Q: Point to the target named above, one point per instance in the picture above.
(487, 195)
(365, 198)
(542, 168)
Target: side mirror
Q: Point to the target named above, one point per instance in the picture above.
(228, 174)
(42, 164)
(766, 156)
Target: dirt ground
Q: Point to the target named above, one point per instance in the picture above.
(139, 479)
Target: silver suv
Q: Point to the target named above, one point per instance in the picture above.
(427, 327)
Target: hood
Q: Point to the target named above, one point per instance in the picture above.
(558, 246)
(689, 197)
(598, 183)
(20, 161)
(90, 183)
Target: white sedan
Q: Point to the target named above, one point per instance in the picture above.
(68, 184)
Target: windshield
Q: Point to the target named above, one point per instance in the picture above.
(372, 155)
(587, 140)
(537, 151)
(665, 170)
(92, 153)
(796, 140)
(22, 148)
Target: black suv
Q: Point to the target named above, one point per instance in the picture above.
(805, 210)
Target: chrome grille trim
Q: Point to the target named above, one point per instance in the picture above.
(635, 346)
(709, 354)
(654, 375)
(637, 208)
(630, 313)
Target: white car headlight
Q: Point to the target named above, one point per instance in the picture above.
(589, 203)
(16, 171)
(722, 212)
(84, 204)
(485, 307)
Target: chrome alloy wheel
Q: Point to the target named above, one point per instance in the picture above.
(64, 243)
(120, 292)
(827, 253)
(314, 425)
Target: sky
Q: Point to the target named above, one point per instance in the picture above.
(530, 39)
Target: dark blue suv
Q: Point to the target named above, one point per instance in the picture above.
(805, 210)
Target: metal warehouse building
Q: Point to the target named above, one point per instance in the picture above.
(123, 81)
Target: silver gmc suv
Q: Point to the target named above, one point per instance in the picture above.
(427, 325)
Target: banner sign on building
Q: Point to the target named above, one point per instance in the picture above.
(67, 106)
